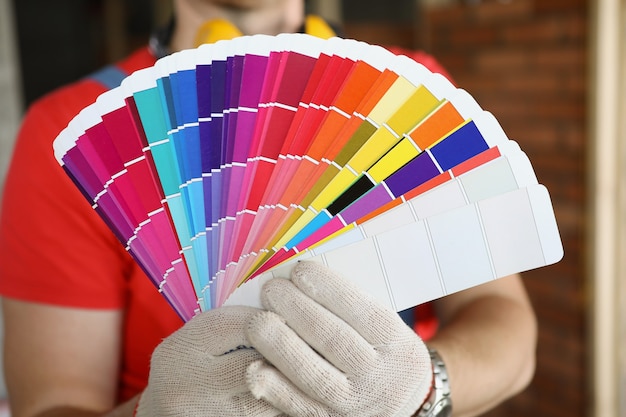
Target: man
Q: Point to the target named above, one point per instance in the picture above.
(81, 319)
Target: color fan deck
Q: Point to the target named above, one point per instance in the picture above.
(221, 166)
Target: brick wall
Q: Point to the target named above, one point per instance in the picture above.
(525, 61)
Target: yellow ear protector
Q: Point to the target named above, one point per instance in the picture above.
(316, 26)
(216, 30)
(220, 29)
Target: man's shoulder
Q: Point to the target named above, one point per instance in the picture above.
(61, 104)
(424, 58)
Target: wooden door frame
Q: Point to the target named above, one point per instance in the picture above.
(606, 238)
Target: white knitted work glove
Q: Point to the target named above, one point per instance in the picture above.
(200, 370)
(334, 351)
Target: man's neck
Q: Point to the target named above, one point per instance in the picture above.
(266, 17)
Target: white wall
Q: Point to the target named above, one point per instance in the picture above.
(10, 100)
(10, 106)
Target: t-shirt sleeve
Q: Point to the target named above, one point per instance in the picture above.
(54, 248)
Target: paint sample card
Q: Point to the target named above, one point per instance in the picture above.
(220, 166)
(442, 254)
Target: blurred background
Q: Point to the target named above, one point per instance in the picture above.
(551, 72)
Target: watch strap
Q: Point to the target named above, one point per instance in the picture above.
(438, 403)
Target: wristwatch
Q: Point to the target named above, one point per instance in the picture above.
(438, 403)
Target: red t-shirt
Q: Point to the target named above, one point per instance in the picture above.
(54, 249)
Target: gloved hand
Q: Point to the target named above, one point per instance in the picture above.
(334, 351)
(200, 370)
